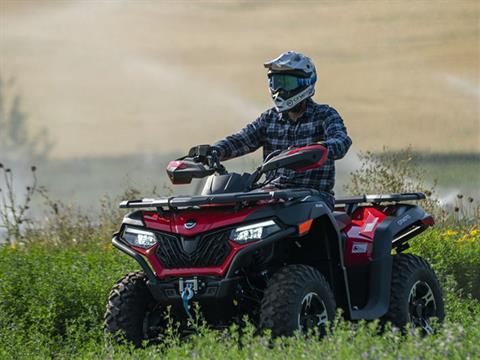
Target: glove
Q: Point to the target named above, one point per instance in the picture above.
(200, 151)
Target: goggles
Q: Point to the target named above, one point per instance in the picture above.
(287, 82)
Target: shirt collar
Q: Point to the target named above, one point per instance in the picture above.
(283, 117)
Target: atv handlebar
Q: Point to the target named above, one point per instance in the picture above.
(203, 160)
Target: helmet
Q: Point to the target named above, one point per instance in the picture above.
(291, 79)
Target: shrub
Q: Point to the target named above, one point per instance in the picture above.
(389, 172)
(453, 253)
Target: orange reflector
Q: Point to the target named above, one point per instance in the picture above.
(303, 228)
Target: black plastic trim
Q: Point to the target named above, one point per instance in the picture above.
(220, 289)
(124, 248)
(134, 218)
(380, 273)
(239, 259)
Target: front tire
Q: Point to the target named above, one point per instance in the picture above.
(297, 297)
(129, 305)
(416, 295)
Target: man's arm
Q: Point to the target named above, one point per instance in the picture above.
(247, 140)
(336, 139)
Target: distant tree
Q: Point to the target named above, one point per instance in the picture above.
(17, 142)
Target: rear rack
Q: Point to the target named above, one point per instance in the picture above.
(287, 194)
(377, 199)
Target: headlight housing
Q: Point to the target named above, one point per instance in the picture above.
(140, 238)
(253, 232)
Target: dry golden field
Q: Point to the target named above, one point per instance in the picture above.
(122, 77)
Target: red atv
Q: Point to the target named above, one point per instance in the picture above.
(279, 256)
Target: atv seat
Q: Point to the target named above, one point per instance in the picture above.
(342, 219)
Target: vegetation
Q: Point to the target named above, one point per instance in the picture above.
(55, 281)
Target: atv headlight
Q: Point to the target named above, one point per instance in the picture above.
(140, 238)
(258, 231)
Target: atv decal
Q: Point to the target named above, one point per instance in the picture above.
(371, 225)
(359, 248)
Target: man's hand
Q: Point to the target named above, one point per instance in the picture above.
(200, 151)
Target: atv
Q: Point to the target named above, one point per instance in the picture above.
(280, 257)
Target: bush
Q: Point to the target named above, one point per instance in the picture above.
(453, 253)
(46, 289)
(52, 300)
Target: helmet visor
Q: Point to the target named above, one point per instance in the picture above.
(284, 82)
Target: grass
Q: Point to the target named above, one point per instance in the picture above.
(54, 285)
(52, 299)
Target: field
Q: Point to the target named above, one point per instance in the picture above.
(55, 281)
(53, 300)
(121, 88)
(53, 292)
(114, 90)
(109, 78)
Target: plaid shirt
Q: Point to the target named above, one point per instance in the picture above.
(275, 131)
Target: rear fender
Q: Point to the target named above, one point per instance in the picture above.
(380, 272)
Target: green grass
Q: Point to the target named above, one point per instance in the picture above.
(54, 287)
(52, 300)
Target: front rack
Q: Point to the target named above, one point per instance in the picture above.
(240, 197)
(254, 196)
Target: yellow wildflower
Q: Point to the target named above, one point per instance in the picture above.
(474, 232)
(463, 238)
(451, 232)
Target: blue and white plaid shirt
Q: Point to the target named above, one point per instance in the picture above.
(275, 131)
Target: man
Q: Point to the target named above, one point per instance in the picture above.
(295, 120)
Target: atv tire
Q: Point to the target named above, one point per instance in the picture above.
(297, 297)
(416, 295)
(128, 305)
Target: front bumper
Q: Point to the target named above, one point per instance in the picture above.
(166, 289)
(213, 289)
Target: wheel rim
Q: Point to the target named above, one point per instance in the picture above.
(313, 313)
(421, 306)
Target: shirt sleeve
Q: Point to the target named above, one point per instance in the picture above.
(337, 140)
(247, 140)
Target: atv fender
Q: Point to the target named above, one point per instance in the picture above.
(380, 273)
(315, 210)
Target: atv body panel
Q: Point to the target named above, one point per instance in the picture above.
(351, 247)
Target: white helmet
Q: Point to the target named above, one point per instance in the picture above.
(291, 79)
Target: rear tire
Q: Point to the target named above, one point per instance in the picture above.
(416, 294)
(297, 297)
(129, 304)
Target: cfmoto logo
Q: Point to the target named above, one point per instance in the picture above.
(190, 224)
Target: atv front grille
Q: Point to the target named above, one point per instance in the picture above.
(175, 251)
